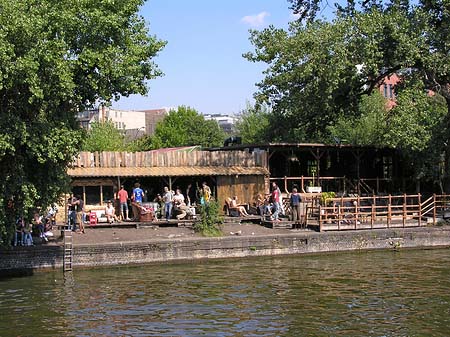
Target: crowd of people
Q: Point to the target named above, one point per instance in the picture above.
(271, 206)
(169, 203)
(39, 226)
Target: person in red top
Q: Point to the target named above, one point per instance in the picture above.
(122, 195)
(276, 198)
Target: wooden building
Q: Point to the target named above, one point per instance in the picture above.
(97, 176)
(338, 167)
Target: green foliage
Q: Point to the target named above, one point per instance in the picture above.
(186, 127)
(56, 58)
(104, 136)
(367, 129)
(210, 219)
(312, 78)
(253, 124)
(324, 196)
(417, 126)
(143, 143)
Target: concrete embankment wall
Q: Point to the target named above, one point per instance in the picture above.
(26, 258)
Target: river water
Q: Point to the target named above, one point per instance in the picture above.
(383, 293)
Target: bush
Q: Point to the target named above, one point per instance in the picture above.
(210, 221)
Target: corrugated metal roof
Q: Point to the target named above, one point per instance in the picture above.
(164, 171)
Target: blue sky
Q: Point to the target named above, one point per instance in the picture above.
(202, 61)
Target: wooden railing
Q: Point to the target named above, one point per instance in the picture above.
(380, 211)
(174, 158)
(341, 183)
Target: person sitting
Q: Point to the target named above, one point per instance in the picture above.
(180, 205)
(240, 208)
(110, 213)
(267, 209)
(38, 224)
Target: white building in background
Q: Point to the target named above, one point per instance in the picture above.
(226, 122)
(133, 123)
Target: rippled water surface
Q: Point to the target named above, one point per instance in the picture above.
(405, 293)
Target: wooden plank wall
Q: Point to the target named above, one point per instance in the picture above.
(172, 158)
(245, 187)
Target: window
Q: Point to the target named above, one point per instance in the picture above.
(385, 94)
(391, 91)
(93, 194)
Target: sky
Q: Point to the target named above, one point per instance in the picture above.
(202, 62)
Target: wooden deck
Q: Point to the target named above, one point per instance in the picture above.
(345, 213)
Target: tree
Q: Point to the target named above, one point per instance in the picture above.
(422, 48)
(104, 136)
(311, 78)
(416, 126)
(253, 124)
(319, 71)
(186, 127)
(369, 128)
(57, 58)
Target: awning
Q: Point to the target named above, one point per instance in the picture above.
(78, 172)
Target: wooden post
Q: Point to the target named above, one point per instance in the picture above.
(320, 218)
(434, 208)
(404, 210)
(372, 216)
(420, 209)
(356, 210)
(389, 215)
(339, 217)
(302, 182)
(374, 210)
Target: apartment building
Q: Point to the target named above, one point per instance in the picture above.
(133, 123)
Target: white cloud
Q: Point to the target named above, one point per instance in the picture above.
(256, 20)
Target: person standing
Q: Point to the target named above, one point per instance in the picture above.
(72, 214)
(295, 200)
(122, 195)
(276, 198)
(136, 197)
(167, 198)
(206, 194)
(190, 195)
(79, 209)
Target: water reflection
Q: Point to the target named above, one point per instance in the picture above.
(360, 294)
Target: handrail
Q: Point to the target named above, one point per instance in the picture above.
(387, 211)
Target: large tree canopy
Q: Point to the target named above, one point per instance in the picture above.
(320, 70)
(425, 51)
(57, 57)
(322, 75)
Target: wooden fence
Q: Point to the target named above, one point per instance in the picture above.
(378, 212)
(170, 159)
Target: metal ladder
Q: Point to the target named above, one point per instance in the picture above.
(68, 250)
